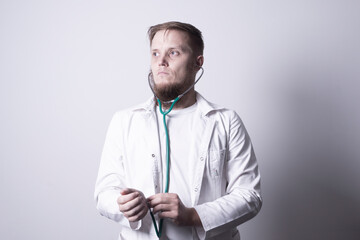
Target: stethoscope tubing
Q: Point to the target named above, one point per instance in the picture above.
(164, 113)
(159, 230)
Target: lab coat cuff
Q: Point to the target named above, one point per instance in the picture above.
(135, 225)
(107, 204)
(201, 230)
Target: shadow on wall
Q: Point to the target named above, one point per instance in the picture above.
(317, 193)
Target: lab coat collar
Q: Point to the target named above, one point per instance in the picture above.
(205, 106)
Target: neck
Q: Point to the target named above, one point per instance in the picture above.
(186, 101)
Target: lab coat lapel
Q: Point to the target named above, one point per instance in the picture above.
(154, 150)
(206, 126)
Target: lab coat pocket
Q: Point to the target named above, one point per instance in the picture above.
(216, 162)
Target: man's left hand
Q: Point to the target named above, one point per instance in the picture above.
(170, 206)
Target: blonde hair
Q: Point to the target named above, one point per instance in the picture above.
(195, 35)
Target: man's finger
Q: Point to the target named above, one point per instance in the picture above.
(162, 198)
(135, 210)
(138, 216)
(162, 208)
(131, 203)
(127, 197)
(168, 214)
(126, 191)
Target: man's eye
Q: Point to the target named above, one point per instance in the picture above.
(155, 54)
(174, 53)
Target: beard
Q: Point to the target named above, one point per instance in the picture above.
(170, 91)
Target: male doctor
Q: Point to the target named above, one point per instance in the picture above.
(213, 184)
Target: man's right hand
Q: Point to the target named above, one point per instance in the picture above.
(132, 203)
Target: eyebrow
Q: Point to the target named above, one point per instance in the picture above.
(181, 47)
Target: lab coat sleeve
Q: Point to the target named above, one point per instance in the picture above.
(242, 200)
(111, 176)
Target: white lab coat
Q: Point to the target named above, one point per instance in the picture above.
(226, 186)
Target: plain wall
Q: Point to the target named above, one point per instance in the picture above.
(289, 68)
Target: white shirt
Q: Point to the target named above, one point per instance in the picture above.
(180, 124)
(225, 187)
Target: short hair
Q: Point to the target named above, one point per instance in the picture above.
(194, 34)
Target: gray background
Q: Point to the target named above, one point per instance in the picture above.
(289, 68)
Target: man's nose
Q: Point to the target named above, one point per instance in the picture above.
(163, 61)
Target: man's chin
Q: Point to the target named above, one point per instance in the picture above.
(163, 85)
(163, 82)
(167, 92)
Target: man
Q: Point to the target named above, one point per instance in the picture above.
(213, 183)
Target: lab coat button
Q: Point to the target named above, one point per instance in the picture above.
(201, 159)
(153, 155)
(196, 189)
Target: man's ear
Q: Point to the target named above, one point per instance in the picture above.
(199, 61)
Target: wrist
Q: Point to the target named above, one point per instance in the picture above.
(195, 219)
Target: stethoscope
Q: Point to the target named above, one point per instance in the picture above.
(164, 113)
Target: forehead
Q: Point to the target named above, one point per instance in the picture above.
(170, 38)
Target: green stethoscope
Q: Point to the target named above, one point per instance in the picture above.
(164, 113)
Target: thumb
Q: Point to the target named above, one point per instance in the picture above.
(126, 191)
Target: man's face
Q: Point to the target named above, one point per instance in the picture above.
(172, 63)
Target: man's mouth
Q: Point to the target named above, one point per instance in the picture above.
(162, 73)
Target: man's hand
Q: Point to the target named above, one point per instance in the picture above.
(170, 206)
(132, 204)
